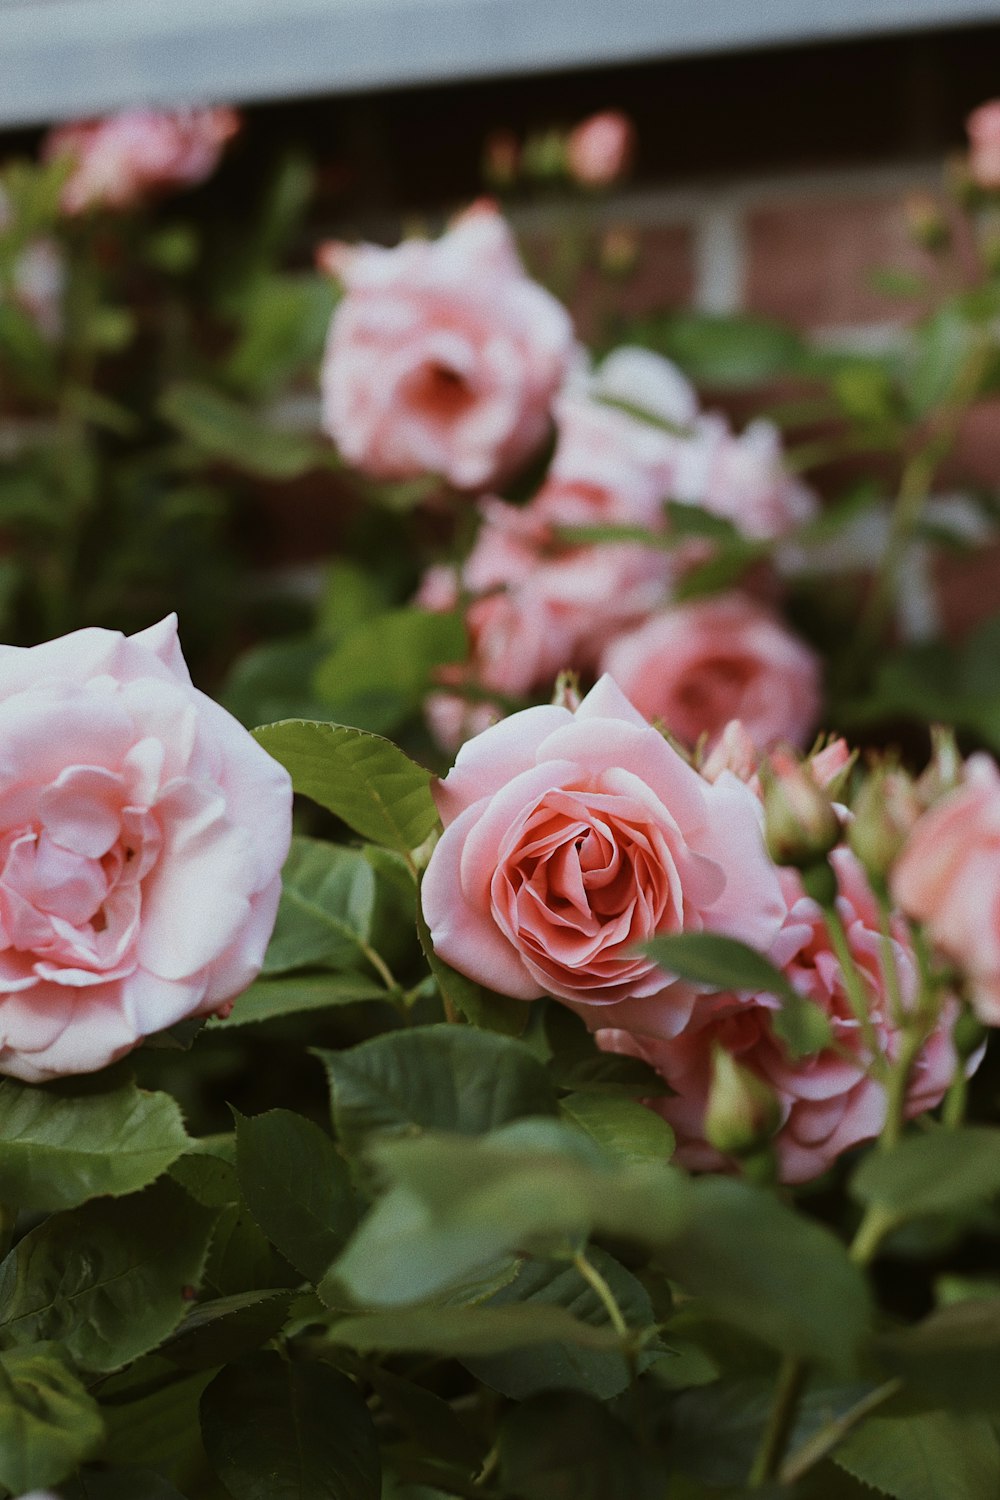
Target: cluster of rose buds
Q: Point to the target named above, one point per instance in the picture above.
(596, 154)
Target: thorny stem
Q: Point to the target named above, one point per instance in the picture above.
(781, 1419)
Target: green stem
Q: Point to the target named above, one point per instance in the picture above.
(854, 984)
(876, 1223)
(824, 1441)
(780, 1421)
(595, 1280)
(890, 969)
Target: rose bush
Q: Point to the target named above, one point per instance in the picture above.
(143, 834)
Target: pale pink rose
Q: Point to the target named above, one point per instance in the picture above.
(983, 127)
(142, 834)
(600, 149)
(948, 877)
(743, 479)
(828, 1102)
(443, 357)
(572, 837)
(696, 666)
(121, 160)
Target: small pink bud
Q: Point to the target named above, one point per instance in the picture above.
(800, 821)
(599, 151)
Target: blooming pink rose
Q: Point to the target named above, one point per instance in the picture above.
(828, 1102)
(121, 160)
(600, 149)
(983, 127)
(696, 666)
(743, 479)
(443, 357)
(948, 876)
(570, 838)
(142, 834)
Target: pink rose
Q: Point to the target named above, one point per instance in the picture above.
(121, 160)
(142, 834)
(983, 127)
(948, 877)
(600, 149)
(743, 479)
(443, 357)
(696, 666)
(828, 1102)
(570, 838)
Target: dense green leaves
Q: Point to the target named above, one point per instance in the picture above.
(280, 1430)
(108, 1280)
(73, 1141)
(325, 915)
(378, 674)
(473, 1331)
(216, 1332)
(369, 783)
(622, 1127)
(562, 1447)
(48, 1421)
(224, 429)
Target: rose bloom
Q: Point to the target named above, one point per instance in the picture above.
(828, 1102)
(983, 127)
(121, 160)
(697, 666)
(600, 149)
(443, 357)
(743, 479)
(142, 834)
(948, 876)
(569, 839)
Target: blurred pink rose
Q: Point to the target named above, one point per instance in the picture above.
(948, 877)
(828, 1103)
(142, 834)
(696, 666)
(600, 149)
(37, 277)
(443, 357)
(983, 127)
(572, 837)
(119, 161)
(743, 479)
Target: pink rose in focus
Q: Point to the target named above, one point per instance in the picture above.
(570, 838)
(696, 666)
(948, 876)
(443, 357)
(600, 149)
(983, 127)
(142, 834)
(743, 479)
(119, 161)
(828, 1102)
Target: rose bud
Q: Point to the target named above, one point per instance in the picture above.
(801, 825)
(544, 156)
(600, 149)
(742, 1113)
(945, 769)
(885, 811)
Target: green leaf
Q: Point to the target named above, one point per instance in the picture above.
(936, 358)
(216, 1333)
(931, 1173)
(929, 1455)
(577, 1063)
(272, 999)
(285, 320)
(468, 1332)
(566, 1365)
(426, 1419)
(120, 1484)
(151, 1413)
(241, 1259)
(274, 681)
(724, 351)
(566, 1447)
(365, 780)
(208, 1171)
(224, 429)
(108, 1280)
(65, 1143)
(484, 1008)
(434, 1078)
(297, 1187)
(953, 1356)
(280, 1430)
(380, 672)
(770, 1272)
(726, 964)
(622, 1127)
(325, 914)
(48, 1422)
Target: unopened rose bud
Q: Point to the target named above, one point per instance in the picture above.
(566, 693)
(831, 767)
(599, 151)
(742, 1112)
(544, 156)
(885, 812)
(800, 823)
(927, 224)
(945, 768)
(618, 252)
(501, 159)
(733, 751)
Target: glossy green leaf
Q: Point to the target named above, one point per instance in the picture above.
(365, 780)
(289, 1430)
(63, 1144)
(272, 999)
(108, 1280)
(48, 1422)
(218, 1332)
(933, 1172)
(297, 1187)
(622, 1127)
(325, 914)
